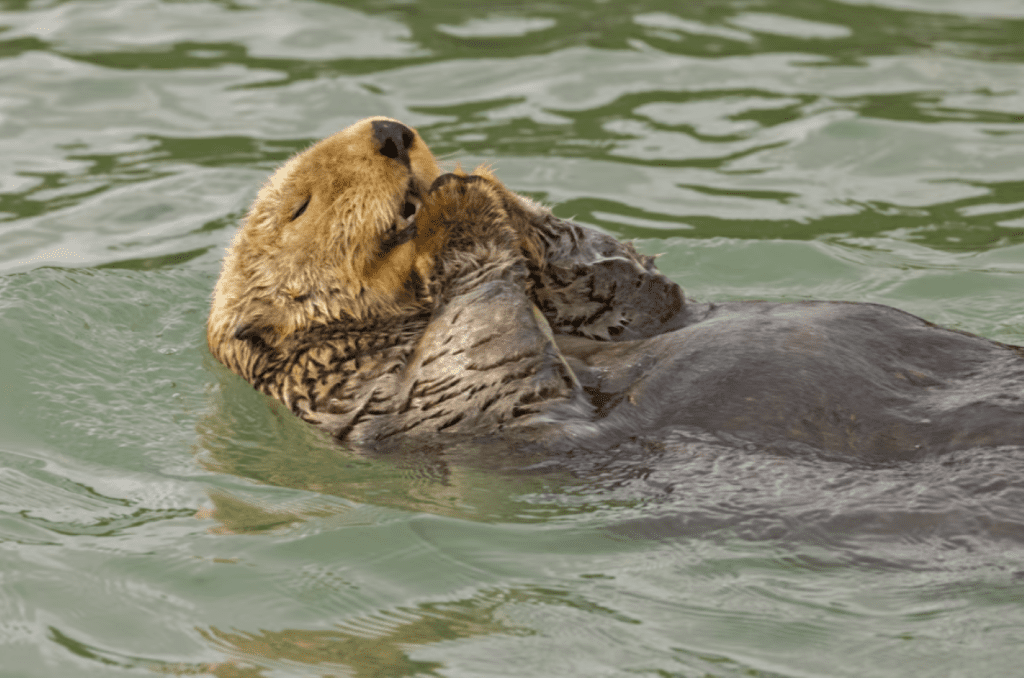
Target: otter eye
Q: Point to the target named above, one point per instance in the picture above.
(302, 208)
(408, 210)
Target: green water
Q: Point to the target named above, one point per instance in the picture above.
(157, 516)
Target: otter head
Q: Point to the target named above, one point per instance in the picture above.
(331, 237)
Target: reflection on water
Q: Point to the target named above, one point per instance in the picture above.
(374, 645)
(378, 645)
(868, 151)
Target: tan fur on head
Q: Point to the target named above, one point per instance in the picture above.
(314, 248)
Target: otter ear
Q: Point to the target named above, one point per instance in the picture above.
(248, 332)
(255, 335)
(264, 327)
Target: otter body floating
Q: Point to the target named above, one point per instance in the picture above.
(377, 297)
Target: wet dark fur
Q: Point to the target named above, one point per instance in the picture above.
(532, 327)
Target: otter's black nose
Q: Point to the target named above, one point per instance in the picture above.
(394, 139)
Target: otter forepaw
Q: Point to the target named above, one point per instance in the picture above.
(468, 210)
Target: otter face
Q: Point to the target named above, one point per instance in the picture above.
(331, 236)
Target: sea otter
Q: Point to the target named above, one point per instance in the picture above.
(378, 297)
